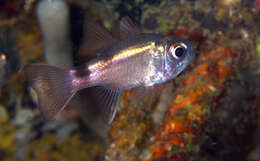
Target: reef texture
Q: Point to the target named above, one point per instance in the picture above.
(210, 112)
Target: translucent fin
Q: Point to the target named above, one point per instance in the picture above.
(95, 37)
(53, 86)
(143, 97)
(108, 101)
(128, 28)
(91, 111)
(143, 91)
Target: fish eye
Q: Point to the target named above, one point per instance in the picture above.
(178, 51)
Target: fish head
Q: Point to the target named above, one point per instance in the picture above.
(178, 54)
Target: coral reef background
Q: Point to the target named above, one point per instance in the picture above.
(210, 112)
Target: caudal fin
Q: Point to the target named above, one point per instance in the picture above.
(53, 86)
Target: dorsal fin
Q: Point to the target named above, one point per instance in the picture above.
(128, 28)
(95, 38)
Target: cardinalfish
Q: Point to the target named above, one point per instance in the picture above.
(139, 60)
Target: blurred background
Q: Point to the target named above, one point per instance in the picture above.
(210, 112)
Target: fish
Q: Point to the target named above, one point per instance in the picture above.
(138, 60)
(3, 71)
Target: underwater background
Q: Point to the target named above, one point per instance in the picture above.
(211, 112)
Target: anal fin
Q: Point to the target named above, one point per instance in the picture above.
(109, 100)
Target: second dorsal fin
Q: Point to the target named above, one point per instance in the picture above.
(128, 28)
(95, 38)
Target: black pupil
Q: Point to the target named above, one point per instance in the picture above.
(179, 52)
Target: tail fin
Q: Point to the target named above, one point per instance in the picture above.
(53, 86)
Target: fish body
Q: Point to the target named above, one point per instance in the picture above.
(142, 60)
(138, 60)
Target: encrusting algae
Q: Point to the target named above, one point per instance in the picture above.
(7, 146)
(48, 148)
